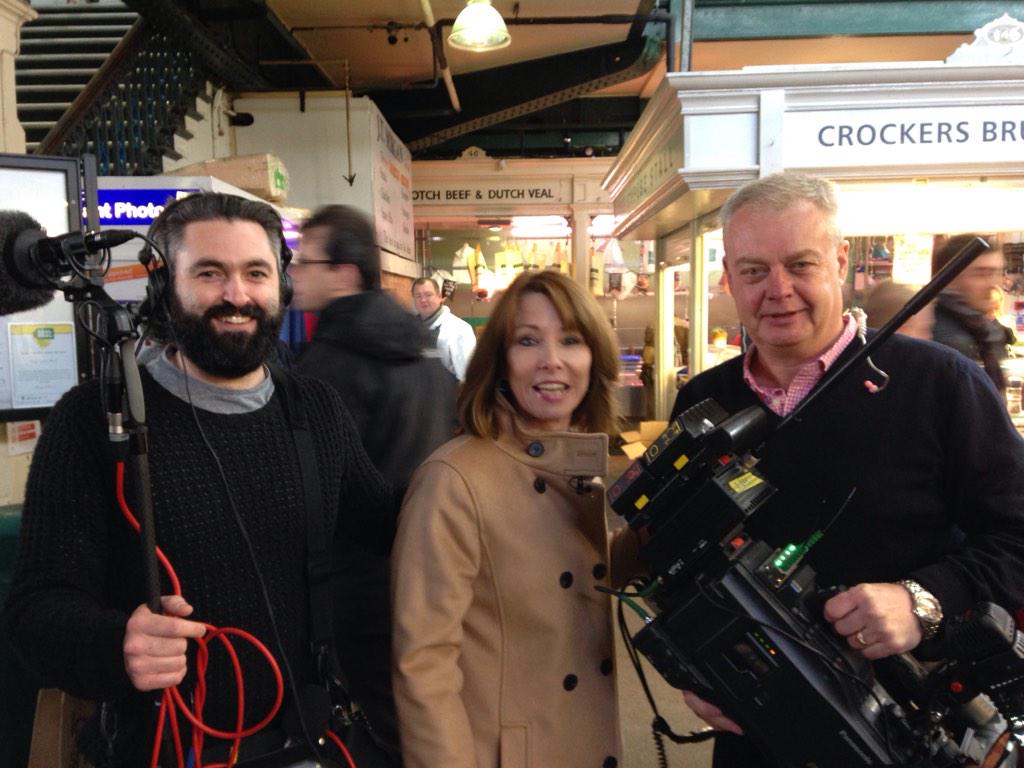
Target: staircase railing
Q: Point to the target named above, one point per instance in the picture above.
(128, 113)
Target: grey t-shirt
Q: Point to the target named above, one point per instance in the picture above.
(207, 396)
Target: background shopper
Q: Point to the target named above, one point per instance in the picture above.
(372, 352)
(453, 336)
(964, 312)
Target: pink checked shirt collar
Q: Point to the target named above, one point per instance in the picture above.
(782, 401)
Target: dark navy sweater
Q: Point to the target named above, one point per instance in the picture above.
(937, 464)
(938, 470)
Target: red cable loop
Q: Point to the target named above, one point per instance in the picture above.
(171, 699)
(341, 745)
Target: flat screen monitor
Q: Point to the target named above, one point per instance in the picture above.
(39, 348)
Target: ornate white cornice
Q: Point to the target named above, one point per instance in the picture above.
(1001, 41)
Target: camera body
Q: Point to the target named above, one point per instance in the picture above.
(740, 622)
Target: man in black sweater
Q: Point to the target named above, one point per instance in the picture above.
(380, 359)
(225, 477)
(935, 467)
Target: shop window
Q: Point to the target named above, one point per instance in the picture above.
(723, 332)
(483, 256)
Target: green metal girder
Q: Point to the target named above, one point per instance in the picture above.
(757, 20)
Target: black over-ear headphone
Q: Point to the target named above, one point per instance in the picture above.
(158, 269)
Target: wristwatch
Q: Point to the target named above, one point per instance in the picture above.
(926, 608)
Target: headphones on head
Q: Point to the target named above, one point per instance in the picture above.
(159, 272)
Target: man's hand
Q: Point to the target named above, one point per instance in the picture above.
(710, 714)
(154, 645)
(876, 619)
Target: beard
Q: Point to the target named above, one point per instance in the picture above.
(225, 354)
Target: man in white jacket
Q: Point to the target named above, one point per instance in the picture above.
(452, 335)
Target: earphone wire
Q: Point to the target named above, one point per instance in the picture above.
(164, 303)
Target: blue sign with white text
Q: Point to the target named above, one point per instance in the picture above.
(134, 207)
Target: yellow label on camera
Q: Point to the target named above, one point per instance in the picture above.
(745, 482)
(681, 462)
(641, 502)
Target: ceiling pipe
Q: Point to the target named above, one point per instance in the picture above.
(608, 18)
(438, 46)
(654, 17)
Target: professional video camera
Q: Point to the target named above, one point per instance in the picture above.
(739, 622)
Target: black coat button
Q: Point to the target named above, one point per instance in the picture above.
(606, 667)
(600, 571)
(535, 449)
(565, 580)
(539, 485)
(570, 682)
(610, 762)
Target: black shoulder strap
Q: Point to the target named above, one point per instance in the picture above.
(318, 554)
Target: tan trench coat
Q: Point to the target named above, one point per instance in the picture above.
(503, 650)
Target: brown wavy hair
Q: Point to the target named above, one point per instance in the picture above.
(479, 403)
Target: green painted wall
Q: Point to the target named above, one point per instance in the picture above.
(756, 19)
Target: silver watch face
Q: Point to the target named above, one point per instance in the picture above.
(926, 607)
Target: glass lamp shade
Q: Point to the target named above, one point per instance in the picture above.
(479, 28)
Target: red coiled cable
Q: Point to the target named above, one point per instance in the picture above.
(171, 699)
(341, 745)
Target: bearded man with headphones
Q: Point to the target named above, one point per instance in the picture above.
(250, 471)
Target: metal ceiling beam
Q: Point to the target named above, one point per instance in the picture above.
(588, 127)
(497, 101)
(499, 94)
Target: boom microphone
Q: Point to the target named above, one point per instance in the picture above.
(14, 295)
(33, 265)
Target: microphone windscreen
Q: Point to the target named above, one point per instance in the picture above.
(14, 296)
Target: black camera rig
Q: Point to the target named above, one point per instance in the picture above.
(739, 622)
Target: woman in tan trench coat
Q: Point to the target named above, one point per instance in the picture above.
(503, 648)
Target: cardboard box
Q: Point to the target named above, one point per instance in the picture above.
(261, 175)
(634, 450)
(630, 436)
(635, 442)
(651, 430)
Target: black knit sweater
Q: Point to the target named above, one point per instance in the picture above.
(937, 464)
(78, 573)
(938, 470)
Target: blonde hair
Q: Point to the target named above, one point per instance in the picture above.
(479, 403)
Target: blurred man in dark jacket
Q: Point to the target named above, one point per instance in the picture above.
(965, 318)
(403, 402)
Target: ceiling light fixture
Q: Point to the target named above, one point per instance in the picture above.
(479, 27)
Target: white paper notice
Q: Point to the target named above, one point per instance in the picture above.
(42, 362)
